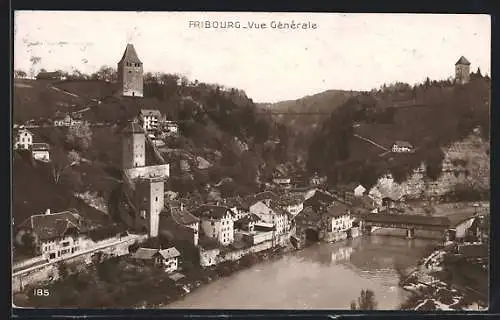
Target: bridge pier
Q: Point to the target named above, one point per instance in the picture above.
(410, 233)
(367, 229)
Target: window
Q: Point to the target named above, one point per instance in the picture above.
(156, 199)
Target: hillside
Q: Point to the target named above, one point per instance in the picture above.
(33, 192)
(35, 99)
(219, 125)
(352, 143)
(322, 103)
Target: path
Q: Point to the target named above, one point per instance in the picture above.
(372, 142)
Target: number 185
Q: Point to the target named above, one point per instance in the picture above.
(41, 292)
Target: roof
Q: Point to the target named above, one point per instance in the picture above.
(40, 146)
(46, 74)
(252, 217)
(169, 253)
(266, 195)
(133, 127)
(463, 60)
(277, 208)
(54, 225)
(318, 195)
(457, 218)
(183, 216)
(211, 211)
(408, 219)
(130, 55)
(403, 144)
(150, 112)
(144, 253)
(233, 202)
(337, 210)
(23, 130)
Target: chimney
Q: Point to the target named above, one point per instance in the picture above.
(47, 211)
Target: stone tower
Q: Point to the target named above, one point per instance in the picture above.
(151, 191)
(133, 146)
(462, 70)
(130, 73)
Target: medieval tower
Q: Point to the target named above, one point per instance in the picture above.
(130, 73)
(462, 70)
(133, 146)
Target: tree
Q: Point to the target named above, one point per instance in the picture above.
(366, 301)
(60, 162)
(63, 270)
(20, 74)
(79, 136)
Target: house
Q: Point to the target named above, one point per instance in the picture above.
(147, 255)
(23, 139)
(170, 128)
(63, 121)
(339, 217)
(359, 191)
(216, 222)
(280, 178)
(40, 151)
(291, 203)
(462, 70)
(319, 200)
(236, 206)
(317, 180)
(247, 223)
(54, 235)
(50, 76)
(271, 213)
(176, 222)
(169, 258)
(150, 119)
(251, 200)
(402, 147)
(460, 225)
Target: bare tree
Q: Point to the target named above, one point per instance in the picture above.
(60, 162)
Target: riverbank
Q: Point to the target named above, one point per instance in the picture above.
(434, 285)
(121, 283)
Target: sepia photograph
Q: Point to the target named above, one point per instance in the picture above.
(250, 160)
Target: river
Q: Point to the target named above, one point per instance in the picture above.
(321, 276)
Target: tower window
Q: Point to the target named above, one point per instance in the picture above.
(130, 71)
(156, 199)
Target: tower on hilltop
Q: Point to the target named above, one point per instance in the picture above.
(133, 146)
(130, 73)
(462, 70)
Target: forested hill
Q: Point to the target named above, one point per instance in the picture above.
(308, 110)
(353, 142)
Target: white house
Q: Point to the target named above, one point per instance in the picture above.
(216, 222)
(40, 151)
(359, 191)
(171, 128)
(65, 121)
(340, 217)
(150, 118)
(55, 234)
(23, 140)
(271, 213)
(169, 258)
(402, 147)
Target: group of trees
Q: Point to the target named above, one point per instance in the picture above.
(439, 116)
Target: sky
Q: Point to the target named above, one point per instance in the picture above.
(343, 51)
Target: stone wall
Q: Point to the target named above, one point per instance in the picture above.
(49, 271)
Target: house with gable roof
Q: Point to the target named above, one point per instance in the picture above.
(54, 235)
(216, 222)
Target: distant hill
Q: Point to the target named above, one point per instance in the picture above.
(323, 103)
(353, 142)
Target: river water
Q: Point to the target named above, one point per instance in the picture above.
(322, 276)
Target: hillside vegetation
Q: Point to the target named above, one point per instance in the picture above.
(430, 116)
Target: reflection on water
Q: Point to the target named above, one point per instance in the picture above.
(322, 276)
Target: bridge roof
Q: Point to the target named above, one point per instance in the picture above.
(408, 219)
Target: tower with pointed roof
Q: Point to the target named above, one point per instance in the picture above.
(133, 146)
(130, 73)
(462, 70)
